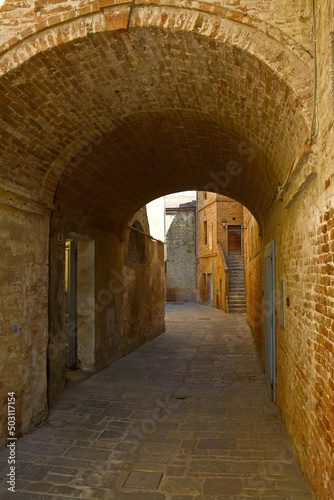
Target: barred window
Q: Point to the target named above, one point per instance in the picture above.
(137, 244)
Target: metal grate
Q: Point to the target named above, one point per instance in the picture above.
(332, 53)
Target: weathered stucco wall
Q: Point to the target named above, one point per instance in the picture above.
(129, 301)
(24, 312)
(145, 298)
(144, 294)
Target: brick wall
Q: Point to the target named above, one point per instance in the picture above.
(302, 226)
(84, 96)
(305, 347)
(98, 58)
(254, 264)
(296, 18)
(212, 209)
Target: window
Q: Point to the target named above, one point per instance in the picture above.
(205, 195)
(205, 232)
(137, 244)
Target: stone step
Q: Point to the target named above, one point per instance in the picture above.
(237, 297)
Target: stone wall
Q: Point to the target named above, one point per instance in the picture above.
(181, 255)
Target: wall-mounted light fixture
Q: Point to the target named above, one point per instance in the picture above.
(224, 222)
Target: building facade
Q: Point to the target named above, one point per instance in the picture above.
(220, 236)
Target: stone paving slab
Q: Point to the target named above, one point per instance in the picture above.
(186, 416)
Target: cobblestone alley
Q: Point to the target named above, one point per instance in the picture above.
(186, 416)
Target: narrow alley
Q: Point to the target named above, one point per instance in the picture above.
(185, 416)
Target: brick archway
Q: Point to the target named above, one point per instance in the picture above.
(223, 84)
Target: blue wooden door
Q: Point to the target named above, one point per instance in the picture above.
(270, 319)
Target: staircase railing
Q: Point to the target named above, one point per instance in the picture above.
(227, 276)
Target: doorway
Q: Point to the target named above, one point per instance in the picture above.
(220, 294)
(209, 284)
(270, 317)
(70, 304)
(234, 240)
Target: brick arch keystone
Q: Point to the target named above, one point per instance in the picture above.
(279, 51)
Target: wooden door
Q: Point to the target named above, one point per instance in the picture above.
(209, 282)
(234, 240)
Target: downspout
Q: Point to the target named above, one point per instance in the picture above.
(196, 225)
(315, 118)
(196, 248)
(213, 269)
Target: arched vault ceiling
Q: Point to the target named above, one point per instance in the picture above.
(188, 100)
(128, 167)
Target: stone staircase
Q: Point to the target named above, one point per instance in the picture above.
(237, 295)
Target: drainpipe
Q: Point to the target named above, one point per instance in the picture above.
(196, 225)
(213, 269)
(196, 249)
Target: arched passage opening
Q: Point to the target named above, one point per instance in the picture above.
(106, 111)
(109, 108)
